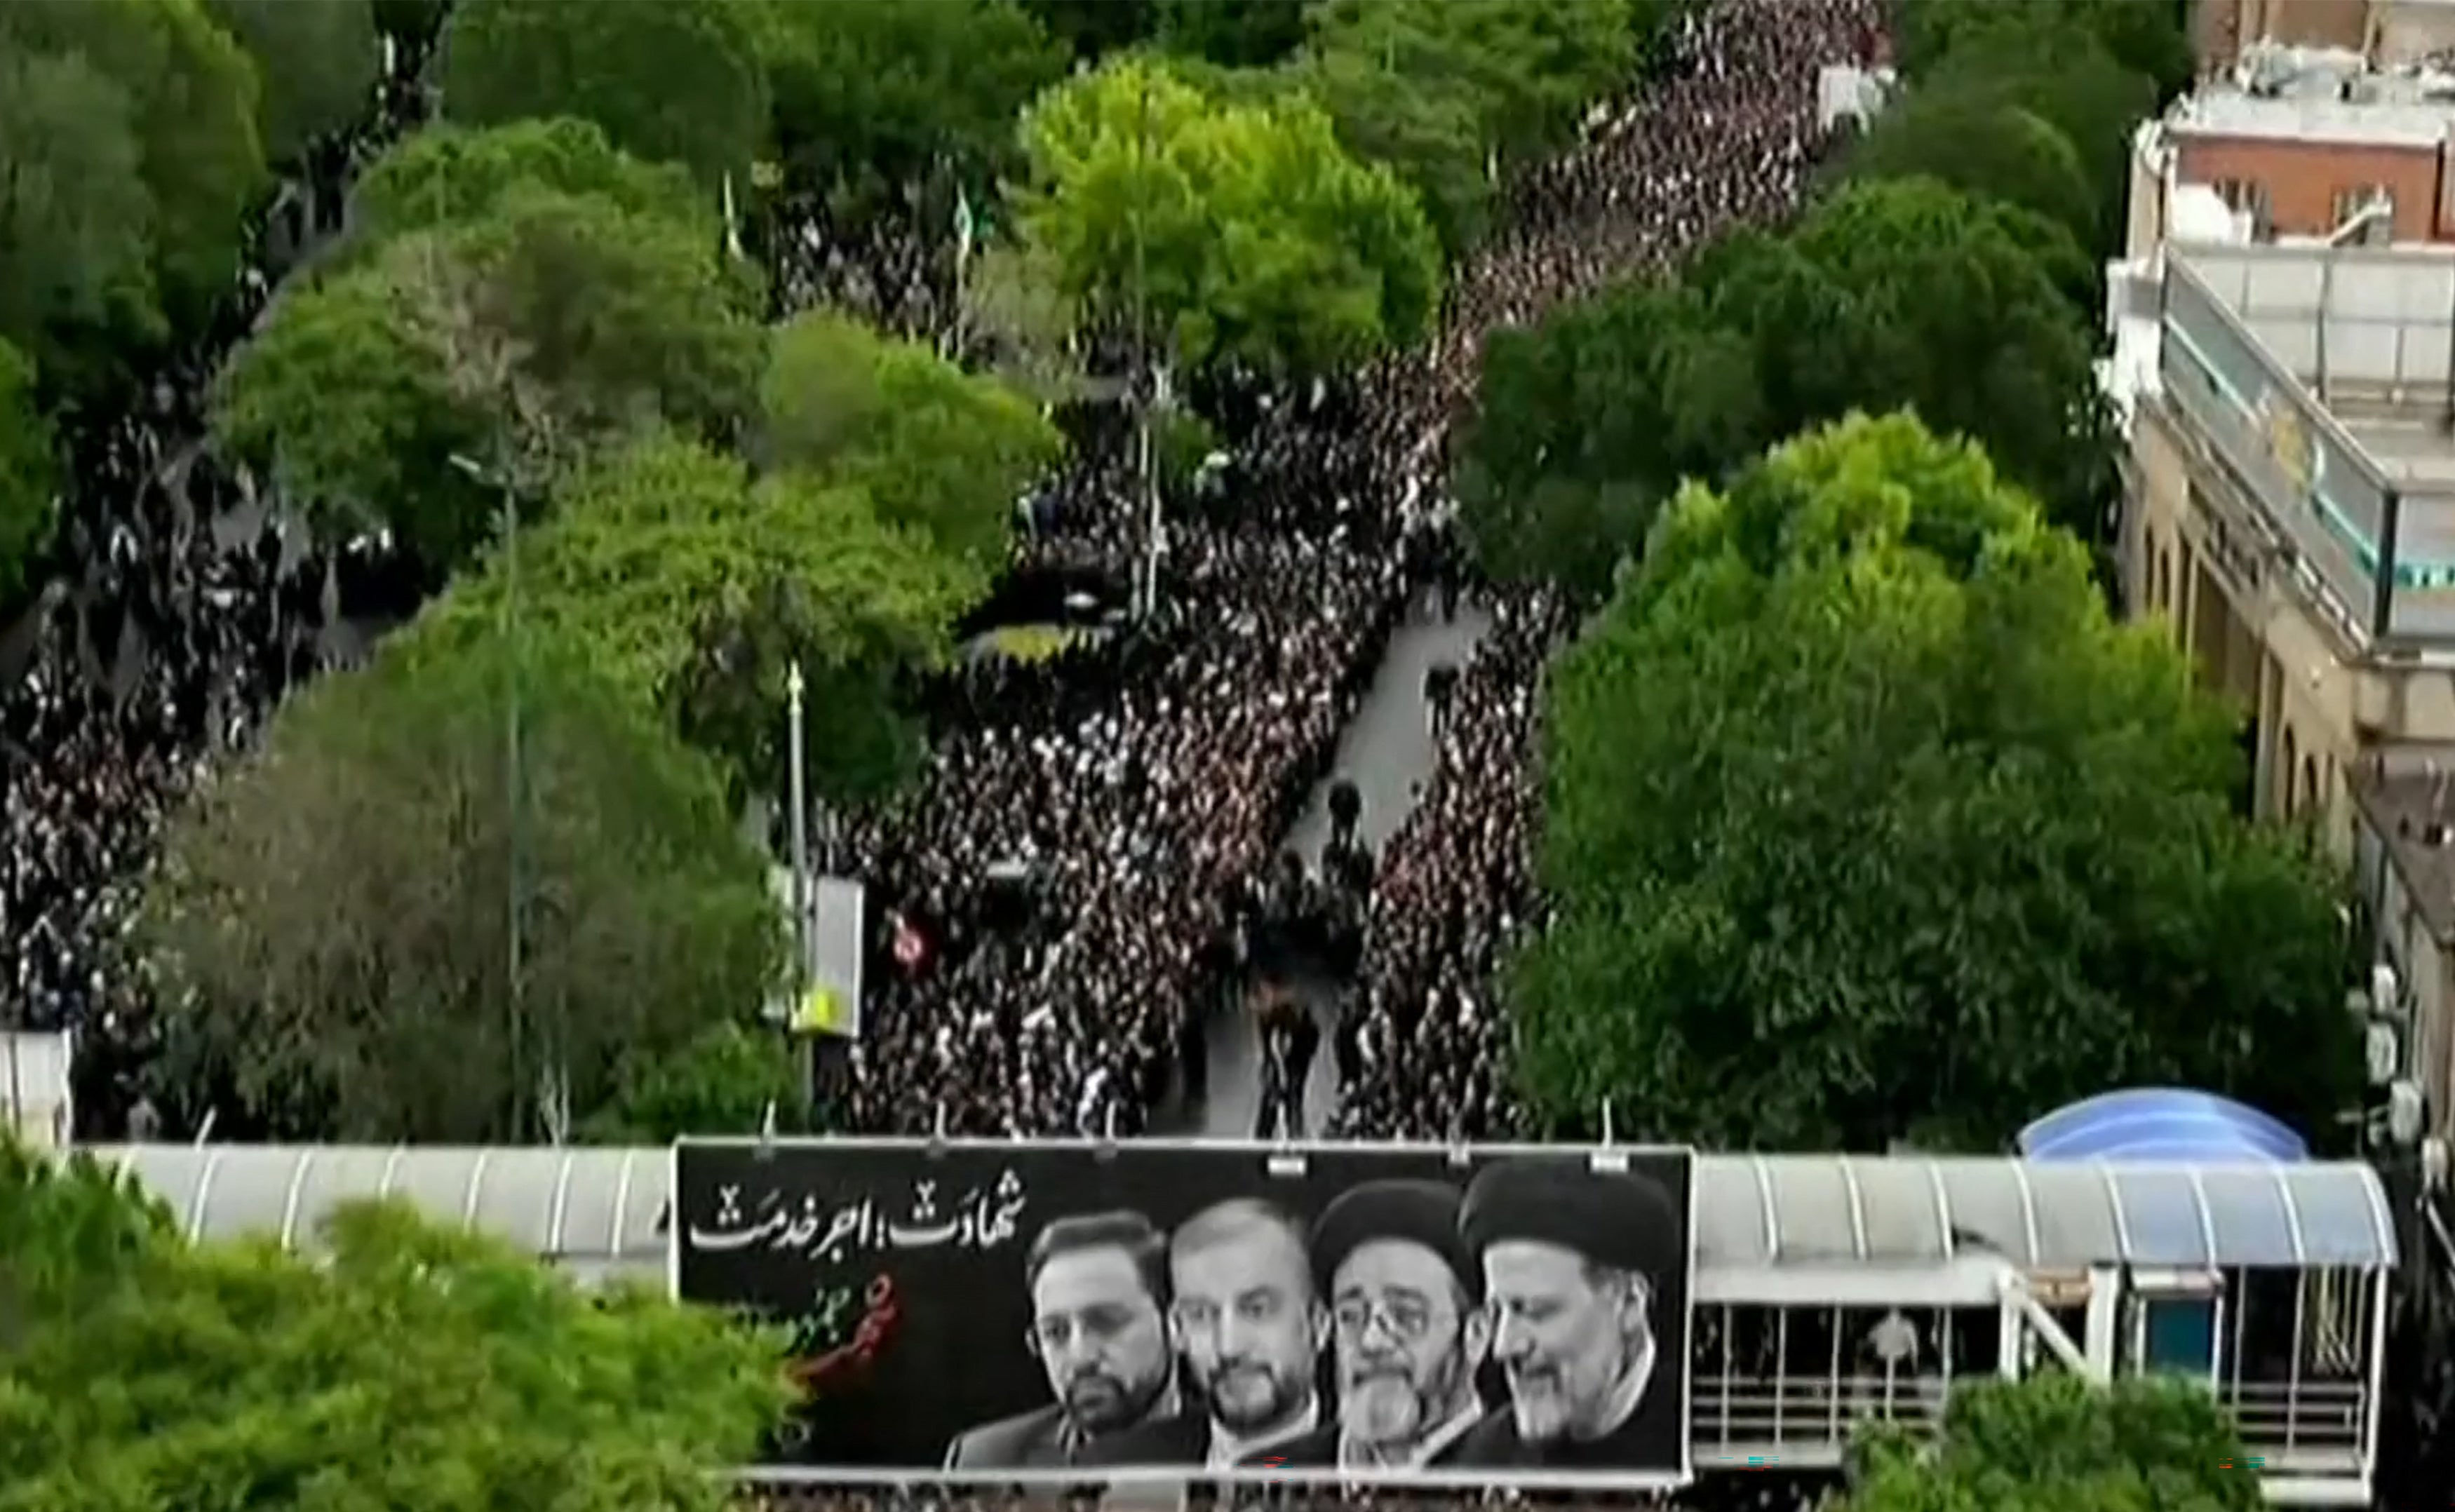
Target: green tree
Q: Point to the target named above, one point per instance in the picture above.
(1531, 68)
(932, 446)
(2056, 1444)
(190, 107)
(2061, 75)
(448, 175)
(699, 586)
(1232, 33)
(878, 96)
(1091, 27)
(29, 506)
(1950, 306)
(1862, 821)
(1438, 91)
(1890, 294)
(677, 81)
(1403, 97)
(2148, 37)
(1590, 420)
(731, 1079)
(407, 1365)
(1982, 143)
(333, 917)
(316, 61)
(1237, 230)
(557, 326)
(128, 163)
(76, 221)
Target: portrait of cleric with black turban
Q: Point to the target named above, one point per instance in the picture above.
(1572, 1261)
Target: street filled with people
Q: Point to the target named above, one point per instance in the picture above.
(1084, 866)
(1160, 497)
(182, 605)
(1128, 796)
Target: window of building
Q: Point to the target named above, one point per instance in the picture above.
(2310, 784)
(2284, 774)
(2354, 198)
(2244, 197)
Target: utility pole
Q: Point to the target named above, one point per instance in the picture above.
(552, 1088)
(1146, 579)
(798, 833)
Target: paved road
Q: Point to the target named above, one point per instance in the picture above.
(1387, 751)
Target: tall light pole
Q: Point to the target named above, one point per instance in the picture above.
(515, 913)
(796, 796)
(1145, 580)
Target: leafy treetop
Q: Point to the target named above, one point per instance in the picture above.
(332, 919)
(406, 1366)
(2056, 1444)
(1856, 766)
(1238, 229)
(679, 81)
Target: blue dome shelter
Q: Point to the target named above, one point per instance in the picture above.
(2174, 1126)
(2160, 1124)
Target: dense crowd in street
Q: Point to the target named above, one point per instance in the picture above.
(179, 610)
(1076, 852)
(1071, 870)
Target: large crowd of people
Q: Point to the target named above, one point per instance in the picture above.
(1084, 837)
(180, 605)
(1071, 887)
(1077, 867)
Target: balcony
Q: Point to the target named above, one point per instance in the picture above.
(2319, 379)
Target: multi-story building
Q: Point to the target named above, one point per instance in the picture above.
(2297, 142)
(2291, 497)
(2390, 33)
(2288, 403)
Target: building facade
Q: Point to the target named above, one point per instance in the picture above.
(2390, 33)
(2298, 142)
(2290, 511)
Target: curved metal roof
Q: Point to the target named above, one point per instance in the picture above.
(1792, 1209)
(595, 1210)
(2160, 1123)
(591, 1210)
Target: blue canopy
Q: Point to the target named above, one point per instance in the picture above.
(2160, 1123)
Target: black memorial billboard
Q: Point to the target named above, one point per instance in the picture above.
(1069, 1312)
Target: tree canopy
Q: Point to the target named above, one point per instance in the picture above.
(1090, 27)
(1232, 33)
(407, 1365)
(1889, 294)
(129, 145)
(449, 176)
(877, 95)
(1237, 229)
(2056, 1444)
(317, 62)
(698, 586)
(2145, 37)
(546, 329)
(2032, 108)
(1856, 768)
(28, 505)
(333, 917)
(679, 81)
(933, 447)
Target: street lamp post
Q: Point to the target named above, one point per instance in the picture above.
(515, 913)
(797, 839)
(1145, 585)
